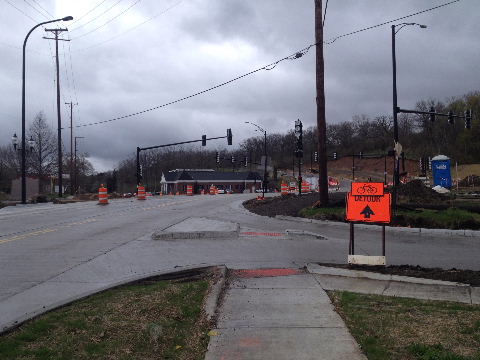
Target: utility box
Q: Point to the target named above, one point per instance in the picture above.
(441, 171)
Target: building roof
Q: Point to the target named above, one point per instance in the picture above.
(201, 175)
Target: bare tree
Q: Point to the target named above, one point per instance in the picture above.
(42, 159)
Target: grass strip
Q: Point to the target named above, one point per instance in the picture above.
(158, 320)
(402, 328)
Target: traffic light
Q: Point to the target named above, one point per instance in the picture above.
(245, 161)
(229, 136)
(429, 163)
(450, 117)
(204, 140)
(233, 159)
(217, 158)
(432, 114)
(468, 119)
(299, 139)
(315, 156)
(335, 155)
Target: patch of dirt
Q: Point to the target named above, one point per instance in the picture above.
(417, 191)
(456, 275)
(289, 205)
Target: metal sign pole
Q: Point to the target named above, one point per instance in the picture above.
(351, 247)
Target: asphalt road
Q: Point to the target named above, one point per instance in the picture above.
(42, 242)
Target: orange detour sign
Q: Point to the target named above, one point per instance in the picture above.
(372, 189)
(369, 208)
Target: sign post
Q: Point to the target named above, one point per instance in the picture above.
(367, 202)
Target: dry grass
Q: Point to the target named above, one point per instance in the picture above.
(159, 320)
(400, 328)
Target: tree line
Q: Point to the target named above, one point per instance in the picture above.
(418, 136)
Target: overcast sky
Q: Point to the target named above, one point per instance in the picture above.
(129, 55)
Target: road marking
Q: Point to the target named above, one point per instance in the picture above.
(254, 233)
(23, 236)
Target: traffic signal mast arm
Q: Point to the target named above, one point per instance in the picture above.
(432, 113)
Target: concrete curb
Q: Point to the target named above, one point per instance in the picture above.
(365, 282)
(102, 287)
(212, 300)
(191, 229)
(302, 233)
(419, 231)
(325, 270)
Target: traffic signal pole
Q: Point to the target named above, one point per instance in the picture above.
(203, 139)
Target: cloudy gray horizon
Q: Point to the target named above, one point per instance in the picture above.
(130, 55)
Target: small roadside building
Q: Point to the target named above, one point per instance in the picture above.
(201, 179)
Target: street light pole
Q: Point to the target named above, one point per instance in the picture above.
(396, 173)
(24, 182)
(264, 185)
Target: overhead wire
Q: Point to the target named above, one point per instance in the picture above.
(24, 13)
(98, 16)
(41, 7)
(388, 22)
(88, 12)
(324, 14)
(271, 66)
(130, 29)
(38, 11)
(108, 22)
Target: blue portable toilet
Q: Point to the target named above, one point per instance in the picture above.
(441, 171)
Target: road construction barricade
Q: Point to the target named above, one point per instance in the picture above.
(305, 187)
(284, 189)
(213, 190)
(189, 190)
(141, 193)
(102, 195)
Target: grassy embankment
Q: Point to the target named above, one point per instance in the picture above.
(152, 320)
(401, 328)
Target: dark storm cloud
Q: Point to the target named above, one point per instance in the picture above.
(199, 43)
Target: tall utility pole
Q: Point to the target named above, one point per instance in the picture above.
(321, 122)
(59, 134)
(71, 145)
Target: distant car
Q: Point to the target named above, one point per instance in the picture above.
(221, 191)
(127, 195)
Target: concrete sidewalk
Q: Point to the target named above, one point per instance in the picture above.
(279, 317)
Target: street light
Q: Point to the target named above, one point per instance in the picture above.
(396, 177)
(265, 153)
(24, 182)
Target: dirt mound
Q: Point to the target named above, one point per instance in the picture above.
(289, 205)
(416, 190)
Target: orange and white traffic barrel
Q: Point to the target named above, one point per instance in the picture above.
(212, 190)
(305, 187)
(102, 195)
(189, 190)
(284, 189)
(141, 193)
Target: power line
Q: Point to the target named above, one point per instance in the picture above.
(131, 29)
(109, 21)
(88, 12)
(266, 67)
(95, 18)
(325, 14)
(24, 13)
(41, 7)
(388, 22)
(38, 11)
(271, 66)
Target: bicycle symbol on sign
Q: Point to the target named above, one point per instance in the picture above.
(367, 189)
